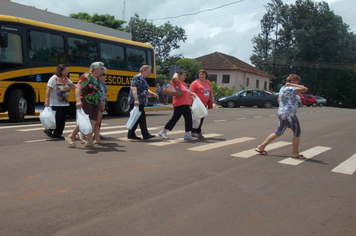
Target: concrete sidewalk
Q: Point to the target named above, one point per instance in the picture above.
(150, 107)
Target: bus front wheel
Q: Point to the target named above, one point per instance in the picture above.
(17, 106)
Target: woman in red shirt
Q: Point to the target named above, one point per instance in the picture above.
(203, 90)
(181, 107)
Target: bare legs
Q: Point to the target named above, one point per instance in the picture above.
(273, 136)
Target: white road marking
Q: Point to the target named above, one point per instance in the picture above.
(166, 142)
(219, 120)
(241, 118)
(219, 144)
(347, 167)
(252, 152)
(312, 152)
(256, 117)
(35, 141)
(271, 115)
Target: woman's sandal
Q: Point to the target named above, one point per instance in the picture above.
(101, 142)
(70, 142)
(300, 156)
(90, 144)
(262, 152)
(82, 138)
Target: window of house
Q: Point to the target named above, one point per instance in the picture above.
(226, 79)
(213, 78)
(257, 83)
(265, 85)
(247, 81)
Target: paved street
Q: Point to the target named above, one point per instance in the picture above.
(215, 186)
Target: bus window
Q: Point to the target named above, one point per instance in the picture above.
(11, 51)
(149, 58)
(81, 51)
(113, 56)
(136, 58)
(46, 47)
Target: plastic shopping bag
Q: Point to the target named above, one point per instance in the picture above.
(134, 115)
(84, 122)
(196, 122)
(198, 108)
(48, 118)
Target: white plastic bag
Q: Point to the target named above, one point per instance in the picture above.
(84, 122)
(198, 108)
(48, 118)
(134, 115)
(196, 122)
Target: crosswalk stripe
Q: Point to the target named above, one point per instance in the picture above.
(312, 152)
(347, 167)
(219, 144)
(180, 140)
(252, 152)
(216, 121)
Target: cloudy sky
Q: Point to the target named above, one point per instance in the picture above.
(225, 26)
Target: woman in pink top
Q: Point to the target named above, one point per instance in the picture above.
(181, 107)
(203, 90)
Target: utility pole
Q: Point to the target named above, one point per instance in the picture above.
(123, 12)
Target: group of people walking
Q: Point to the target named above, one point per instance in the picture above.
(90, 95)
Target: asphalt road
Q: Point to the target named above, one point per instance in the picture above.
(214, 186)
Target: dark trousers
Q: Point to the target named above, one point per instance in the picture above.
(141, 121)
(198, 130)
(177, 113)
(61, 117)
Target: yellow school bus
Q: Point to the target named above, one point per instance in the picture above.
(30, 52)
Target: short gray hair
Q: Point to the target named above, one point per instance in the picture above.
(95, 65)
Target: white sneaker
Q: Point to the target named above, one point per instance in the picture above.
(189, 137)
(163, 134)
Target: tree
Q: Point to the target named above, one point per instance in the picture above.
(191, 66)
(104, 20)
(163, 39)
(305, 38)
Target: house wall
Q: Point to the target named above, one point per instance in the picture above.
(238, 77)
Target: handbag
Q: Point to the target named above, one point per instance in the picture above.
(172, 90)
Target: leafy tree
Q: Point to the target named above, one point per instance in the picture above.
(305, 38)
(191, 66)
(104, 20)
(164, 38)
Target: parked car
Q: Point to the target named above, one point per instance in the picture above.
(310, 100)
(301, 100)
(251, 98)
(321, 101)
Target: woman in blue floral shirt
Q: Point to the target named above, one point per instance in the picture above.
(138, 96)
(287, 114)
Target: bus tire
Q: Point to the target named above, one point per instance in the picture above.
(121, 107)
(17, 106)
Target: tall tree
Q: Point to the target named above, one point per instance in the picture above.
(306, 38)
(163, 38)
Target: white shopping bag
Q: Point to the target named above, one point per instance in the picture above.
(84, 122)
(196, 122)
(134, 115)
(198, 108)
(48, 118)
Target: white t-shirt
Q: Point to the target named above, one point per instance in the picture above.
(59, 95)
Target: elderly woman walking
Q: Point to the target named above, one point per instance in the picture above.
(138, 96)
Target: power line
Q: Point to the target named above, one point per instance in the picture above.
(190, 14)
